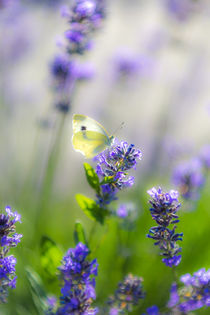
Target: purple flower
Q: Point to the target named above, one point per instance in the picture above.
(7, 276)
(113, 311)
(85, 17)
(51, 303)
(62, 69)
(126, 63)
(8, 239)
(17, 217)
(172, 261)
(127, 214)
(78, 275)
(174, 296)
(122, 211)
(205, 156)
(193, 295)
(189, 178)
(163, 211)
(152, 310)
(112, 168)
(84, 71)
(180, 9)
(127, 295)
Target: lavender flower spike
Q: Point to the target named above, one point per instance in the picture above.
(189, 178)
(163, 211)
(127, 295)
(112, 168)
(78, 275)
(193, 295)
(8, 239)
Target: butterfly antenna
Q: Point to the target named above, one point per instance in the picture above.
(119, 128)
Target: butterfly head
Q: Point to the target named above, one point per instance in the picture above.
(111, 140)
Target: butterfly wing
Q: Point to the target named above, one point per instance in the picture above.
(89, 137)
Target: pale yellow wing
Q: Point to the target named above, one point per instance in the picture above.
(90, 124)
(89, 137)
(89, 143)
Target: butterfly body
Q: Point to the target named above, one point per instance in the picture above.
(89, 137)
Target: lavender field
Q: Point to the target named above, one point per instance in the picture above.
(105, 157)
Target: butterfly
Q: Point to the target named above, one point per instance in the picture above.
(89, 137)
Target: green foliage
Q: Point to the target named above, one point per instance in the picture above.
(92, 177)
(79, 234)
(37, 290)
(107, 180)
(51, 256)
(91, 209)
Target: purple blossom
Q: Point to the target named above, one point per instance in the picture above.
(114, 311)
(193, 295)
(127, 214)
(189, 178)
(205, 156)
(8, 239)
(84, 71)
(152, 310)
(78, 275)
(128, 64)
(112, 168)
(85, 16)
(172, 261)
(163, 211)
(62, 70)
(7, 276)
(127, 295)
(174, 296)
(180, 9)
(122, 211)
(51, 303)
(17, 217)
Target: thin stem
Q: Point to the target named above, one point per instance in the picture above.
(175, 276)
(92, 232)
(48, 177)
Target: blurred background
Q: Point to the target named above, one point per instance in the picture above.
(150, 68)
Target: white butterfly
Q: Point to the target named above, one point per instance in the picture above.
(89, 137)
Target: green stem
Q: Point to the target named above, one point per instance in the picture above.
(175, 276)
(48, 177)
(92, 232)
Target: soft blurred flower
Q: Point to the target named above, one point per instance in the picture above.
(163, 211)
(205, 156)
(127, 64)
(84, 17)
(128, 294)
(122, 211)
(127, 214)
(174, 297)
(193, 295)
(180, 9)
(152, 310)
(189, 178)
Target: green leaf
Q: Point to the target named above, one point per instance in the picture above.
(107, 180)
(79, 234)
(51, 256)
(37, 290)
(92, 177)
(91, 209)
